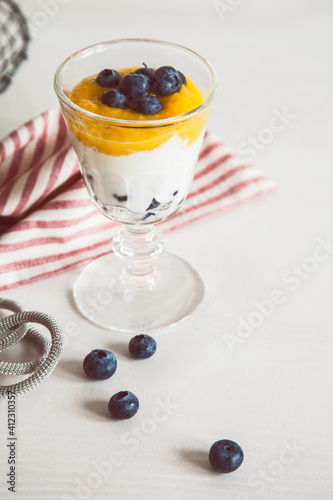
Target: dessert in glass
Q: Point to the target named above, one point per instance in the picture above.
(136, 111)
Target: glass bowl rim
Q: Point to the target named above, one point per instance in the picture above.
(142, 123)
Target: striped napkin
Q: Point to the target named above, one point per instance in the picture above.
(48, 223)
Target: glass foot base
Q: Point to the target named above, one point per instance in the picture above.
(104, 297)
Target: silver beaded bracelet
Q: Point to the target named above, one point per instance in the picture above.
(19, 328)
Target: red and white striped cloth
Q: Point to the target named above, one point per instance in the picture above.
(47, 221)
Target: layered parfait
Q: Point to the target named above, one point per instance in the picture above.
(136, 162)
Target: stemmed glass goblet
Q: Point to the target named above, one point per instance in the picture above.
(137, 173)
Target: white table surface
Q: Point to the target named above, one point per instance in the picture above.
(271, 392)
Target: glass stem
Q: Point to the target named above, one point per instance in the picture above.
(139, 247)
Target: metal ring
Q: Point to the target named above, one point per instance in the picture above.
(21, 368)
(50, 359)
(16, 335)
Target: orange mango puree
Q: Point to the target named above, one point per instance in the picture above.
(116, 140)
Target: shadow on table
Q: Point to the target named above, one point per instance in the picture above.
(196, 458)
(120, 349)
(98, 407)
(72, 367)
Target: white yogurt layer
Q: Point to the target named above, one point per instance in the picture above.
(139, 180)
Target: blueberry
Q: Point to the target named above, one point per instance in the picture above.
(147, 105)
(120, 198)
(123, 405)
(225, 456)
(182, 77)
(114, 99)
(149, 214)
(167, 80)
(134, 85)
(154, 204)
(142, 346)
(108, 78)
(148, 72)
(100, 364)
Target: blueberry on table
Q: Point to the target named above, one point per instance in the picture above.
(148, 72)
(134, 85)
(108, 78)
(100, 364)
(225, 456)
(114, 99)
(167, 80)
(147, 105)
(142, 346)
(123, 405)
